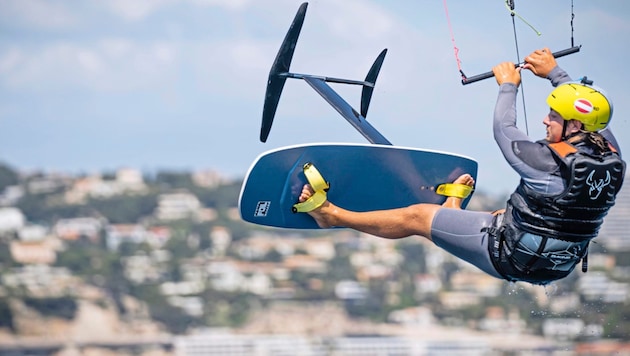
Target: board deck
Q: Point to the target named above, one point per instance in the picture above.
(362, 177)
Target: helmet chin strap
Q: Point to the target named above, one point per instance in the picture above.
(565, 124)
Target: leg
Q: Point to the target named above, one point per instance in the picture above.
(391, 224)
(465, 238)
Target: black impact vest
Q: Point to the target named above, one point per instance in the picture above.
(571, 218)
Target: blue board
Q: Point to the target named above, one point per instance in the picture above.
(362, 177)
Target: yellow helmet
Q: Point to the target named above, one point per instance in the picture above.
(582, 102)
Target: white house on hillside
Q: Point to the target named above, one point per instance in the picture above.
(11, 219)
(179, 205)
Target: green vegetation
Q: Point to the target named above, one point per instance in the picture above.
(7, 176)
(6, 316)
(62, 307)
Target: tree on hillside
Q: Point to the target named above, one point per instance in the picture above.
(7, 176)
(125, 209)
(174, 180)
(6, 315)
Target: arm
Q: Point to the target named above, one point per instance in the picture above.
(531, 160)
(504, 124)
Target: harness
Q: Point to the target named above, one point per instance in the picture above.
(542, 237)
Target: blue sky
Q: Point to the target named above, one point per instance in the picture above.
(94, 86)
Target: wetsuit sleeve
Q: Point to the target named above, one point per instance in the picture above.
(518, 149)
(505, 129)
(558, 76)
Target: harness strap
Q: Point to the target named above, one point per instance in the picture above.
(535, 257)
(585, 261)
(496, 243)
(319, 185)
(496, 227)
(566, 147)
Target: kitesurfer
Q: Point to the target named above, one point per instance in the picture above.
(569, 181)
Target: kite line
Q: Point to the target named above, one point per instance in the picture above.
(511, 8)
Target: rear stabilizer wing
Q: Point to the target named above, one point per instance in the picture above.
(366, 93)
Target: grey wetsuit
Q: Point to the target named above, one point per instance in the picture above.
(459, 232)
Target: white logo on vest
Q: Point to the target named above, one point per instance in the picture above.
(596, 185)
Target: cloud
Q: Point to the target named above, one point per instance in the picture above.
(135, 10)
(110, 64)
(226, 4)
(10, 60)
(241, 61)
(371, 21)
(37, 14)
(139, 10)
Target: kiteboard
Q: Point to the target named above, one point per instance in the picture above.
(362, 177)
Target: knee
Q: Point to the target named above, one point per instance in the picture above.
(423, 212)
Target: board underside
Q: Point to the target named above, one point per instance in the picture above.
(362, 178)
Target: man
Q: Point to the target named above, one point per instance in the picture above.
(569, 180)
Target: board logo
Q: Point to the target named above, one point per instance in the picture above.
(262, 208)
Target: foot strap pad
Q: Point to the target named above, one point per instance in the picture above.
(319, 185)
(456, 190)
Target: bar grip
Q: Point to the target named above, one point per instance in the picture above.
(482, 76)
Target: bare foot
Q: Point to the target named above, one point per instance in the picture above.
(318, 214)
(454, 202)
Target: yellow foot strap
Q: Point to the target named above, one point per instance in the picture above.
(456, 190)
(319, 185)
